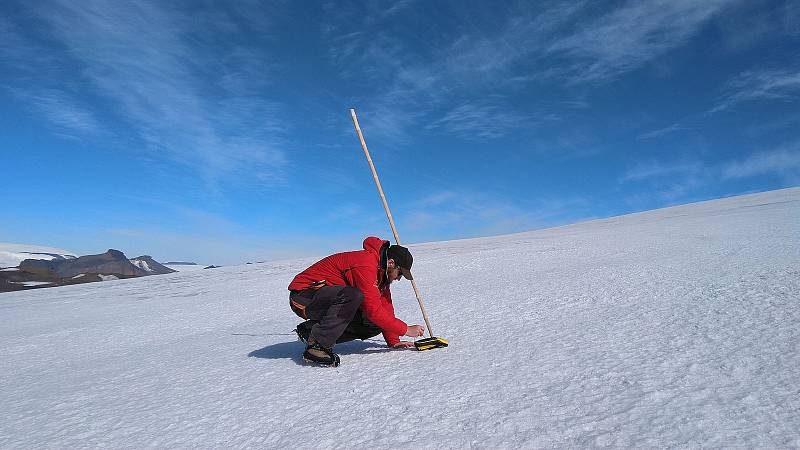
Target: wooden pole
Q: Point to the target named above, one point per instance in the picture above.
(388, 213)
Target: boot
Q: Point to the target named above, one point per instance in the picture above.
(303, 331)
(317, 354)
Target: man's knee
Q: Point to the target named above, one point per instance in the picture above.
(349, 299)
(359, 328)
(352, 295)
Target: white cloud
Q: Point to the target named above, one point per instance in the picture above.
(428, 83)
(505, 50)
(765, 84)
(466, 213)
(784, 161)
(656, 169)
(69, 116)
(670, 182)
(482, 120)
(563, 44)
(436, 199)
(663, 131)
(148, 64)
(674, 181)
(632, 35)
(489, 58)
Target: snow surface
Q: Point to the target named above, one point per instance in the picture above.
(185, 267)
(671, 328)
(13, 254)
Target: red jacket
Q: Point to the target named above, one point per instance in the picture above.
(360, 269)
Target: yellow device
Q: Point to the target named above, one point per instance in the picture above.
(430, 343)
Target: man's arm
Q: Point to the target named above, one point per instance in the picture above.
(390, 338)
(393, 340)
(373, 307)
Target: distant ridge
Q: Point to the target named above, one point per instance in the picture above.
(59, 270)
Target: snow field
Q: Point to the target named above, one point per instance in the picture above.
(671, 328)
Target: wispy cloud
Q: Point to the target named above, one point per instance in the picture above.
(675, 127)
(760, 129)
(466, 213)
(784, 161)
(767, 84)
(656, 169)
(627, 38)
(520, 46)
(572, 44)
(669, 181)
(483, 120)
(69, 116)
(58, 103)
(430, 83)
(566, 146)
(754, 23)
(674, 181)
(524, 38)
(151, 66)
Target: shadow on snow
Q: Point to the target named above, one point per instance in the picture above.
(293, 350)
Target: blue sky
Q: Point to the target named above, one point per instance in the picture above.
(219, 131)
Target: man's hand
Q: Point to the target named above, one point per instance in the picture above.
(415, 331)
(403, 344)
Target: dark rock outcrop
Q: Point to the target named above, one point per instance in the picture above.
(111, 262)
(8, 286)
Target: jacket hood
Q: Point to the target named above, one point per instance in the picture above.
(373, 244)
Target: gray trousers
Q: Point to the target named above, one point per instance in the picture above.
(335, 313)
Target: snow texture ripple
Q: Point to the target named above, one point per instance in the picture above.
(671, 328)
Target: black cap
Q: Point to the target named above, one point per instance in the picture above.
(402, 259)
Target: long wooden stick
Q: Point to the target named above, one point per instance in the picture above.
(388, 213)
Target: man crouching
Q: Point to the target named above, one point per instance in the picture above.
(346, 296)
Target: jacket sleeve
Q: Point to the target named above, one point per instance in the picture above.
(374, 307)
(391, 338)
